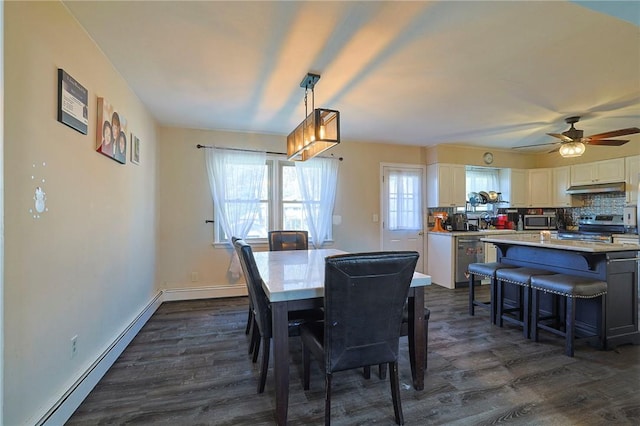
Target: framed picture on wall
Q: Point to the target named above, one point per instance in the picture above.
(73, 107)
(111, 132)
(135, 149)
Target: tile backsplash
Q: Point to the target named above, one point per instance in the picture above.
(606, 203)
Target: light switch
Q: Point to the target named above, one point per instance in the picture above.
(375, 218)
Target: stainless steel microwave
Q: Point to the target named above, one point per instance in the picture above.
(539, 221)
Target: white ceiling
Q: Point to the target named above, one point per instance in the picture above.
(485, 73)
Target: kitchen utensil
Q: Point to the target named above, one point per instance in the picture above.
(493, 197)
(485, 197)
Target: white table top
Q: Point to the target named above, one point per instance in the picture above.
(533, 240)
(299, 274)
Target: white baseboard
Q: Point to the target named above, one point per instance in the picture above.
(211, 292)
(65, 406)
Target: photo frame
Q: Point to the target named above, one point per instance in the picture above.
(73, 107)
(111, 132)
(135, 149)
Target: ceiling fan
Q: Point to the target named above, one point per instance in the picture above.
(572, 141)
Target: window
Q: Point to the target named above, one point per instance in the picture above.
(281, 205)
(482, 179)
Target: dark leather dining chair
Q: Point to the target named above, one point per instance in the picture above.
(364, 296)
(248, 328)
(262, 331)
(288, 240)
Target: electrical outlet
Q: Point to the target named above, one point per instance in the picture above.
(194, 277)
(74, 346)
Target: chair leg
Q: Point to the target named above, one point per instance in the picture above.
(382, 371)
(526, 312)
(366, 372)
(499, 302)
(602, 324)
(395, 392)
(249, 321)
(569, 326)
(264, 366)
(492, 300)
(306, 365)
(327, 399)
(534, 314)
(256, 343)
(471, 294)
(254, 339)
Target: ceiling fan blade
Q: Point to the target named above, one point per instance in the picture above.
(615, 133)
(561, 136)
(608, 142)
(539, 144)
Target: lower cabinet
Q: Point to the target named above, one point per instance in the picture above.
(441, 259)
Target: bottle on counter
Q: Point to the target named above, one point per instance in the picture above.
(520, 223)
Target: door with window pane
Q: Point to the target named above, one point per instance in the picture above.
(403, 209)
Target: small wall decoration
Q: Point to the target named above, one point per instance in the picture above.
(111, 132)
(135, 149)
(72, 103)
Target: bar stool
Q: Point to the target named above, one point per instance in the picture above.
(520, 277)
(570, 288)
(484, 270)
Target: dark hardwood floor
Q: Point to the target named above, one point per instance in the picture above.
(189, 366)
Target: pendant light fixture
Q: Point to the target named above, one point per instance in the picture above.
(319, 131)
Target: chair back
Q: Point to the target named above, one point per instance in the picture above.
(259, 300)
(364, 297)
(288, 240)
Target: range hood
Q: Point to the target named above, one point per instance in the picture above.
(596, 188)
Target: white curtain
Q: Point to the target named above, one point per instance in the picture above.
(318, 180)
(235, 178)
(405, 210)
(482, 179)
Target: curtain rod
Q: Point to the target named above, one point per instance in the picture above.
(255, 150)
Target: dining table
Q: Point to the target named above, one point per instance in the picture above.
(294, 280)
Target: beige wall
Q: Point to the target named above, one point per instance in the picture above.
(455, 154)
(185, 241)
(87, 266)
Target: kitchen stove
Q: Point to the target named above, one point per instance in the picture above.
(598, 228)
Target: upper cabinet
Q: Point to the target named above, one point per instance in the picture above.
(606, 171)
(539, 183)
(632, 168)
(561, 182)
(446, 185)
(513, 185)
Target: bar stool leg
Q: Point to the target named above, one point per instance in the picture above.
(471, 294)
(526, 312)
(492, 307)
(498, 305)
(569, 326)
(534, 314)
(602, 322)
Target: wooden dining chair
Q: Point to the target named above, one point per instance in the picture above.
(364, 296)
(262, 311)
(288, 240)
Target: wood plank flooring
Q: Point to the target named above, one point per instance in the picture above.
(189, 366)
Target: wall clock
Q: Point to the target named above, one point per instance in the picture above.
(487, 158)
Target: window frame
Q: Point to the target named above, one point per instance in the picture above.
(275, 203)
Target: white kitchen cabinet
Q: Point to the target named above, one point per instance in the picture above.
(446, 185)
(632, 169)
(539, 184)
(561, 177)
(606, 171)
(513, 185)
(441, 259)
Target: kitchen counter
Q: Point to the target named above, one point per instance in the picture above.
(533, 240)
(480, 233)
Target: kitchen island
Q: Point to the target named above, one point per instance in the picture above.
(617, 264)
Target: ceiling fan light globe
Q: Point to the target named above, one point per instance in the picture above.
(572, 149)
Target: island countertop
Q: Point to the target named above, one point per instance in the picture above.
(533, 240)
